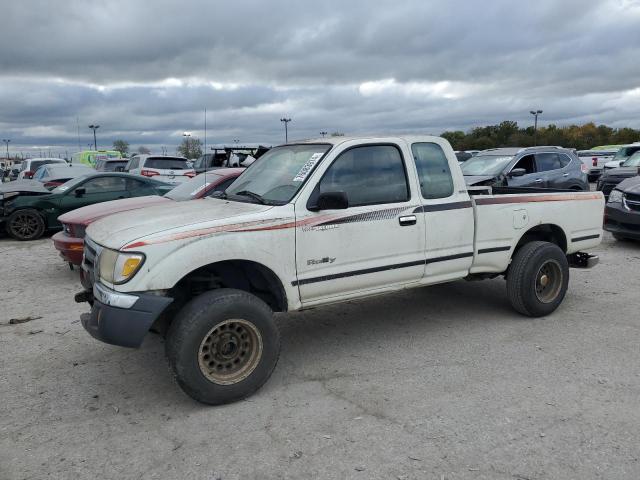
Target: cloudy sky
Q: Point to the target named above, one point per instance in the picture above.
(146, 70)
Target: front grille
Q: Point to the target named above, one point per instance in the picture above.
(89, 261)
(632, 203)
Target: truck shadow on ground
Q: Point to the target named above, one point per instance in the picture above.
(315, 341)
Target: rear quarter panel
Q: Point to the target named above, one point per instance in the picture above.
(502, 220)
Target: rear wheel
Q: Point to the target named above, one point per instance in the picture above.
(537, 278)
(25, 224)
(223, 346)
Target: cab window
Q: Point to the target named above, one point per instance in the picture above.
(434, 174)
(368, 175)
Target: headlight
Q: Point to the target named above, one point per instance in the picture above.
(615, 196)
(118, 267)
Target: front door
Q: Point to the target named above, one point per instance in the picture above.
(94, 190)
(377, 243)
(531, 178)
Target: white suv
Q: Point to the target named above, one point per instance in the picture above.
(164, 169)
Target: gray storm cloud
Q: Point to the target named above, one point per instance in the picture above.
(146, 70)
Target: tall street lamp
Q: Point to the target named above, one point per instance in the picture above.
(323, 133)
(6, 142)
(94, 128)
(535, 113)
(286, 130)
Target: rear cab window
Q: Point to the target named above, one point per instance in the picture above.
(166, 163)
(434, 173)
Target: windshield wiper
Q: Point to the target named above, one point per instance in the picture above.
(258, 198)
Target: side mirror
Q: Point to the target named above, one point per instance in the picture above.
(333, 201)
(517, 172)
(79, 192)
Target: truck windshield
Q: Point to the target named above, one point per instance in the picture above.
(278, 175)
(485, 165)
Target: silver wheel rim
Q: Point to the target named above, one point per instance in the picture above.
(548, 281)
(230, 351)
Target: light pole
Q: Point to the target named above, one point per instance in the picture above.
(6, 142)
(286, 130)
(535, 113)
(236, 141)
(94, 128)
(187, 136)
(323, 133)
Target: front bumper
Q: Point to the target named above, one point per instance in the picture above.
(122, 319)
(621, 221)
(70, 248)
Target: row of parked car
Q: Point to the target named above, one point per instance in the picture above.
(52, 188)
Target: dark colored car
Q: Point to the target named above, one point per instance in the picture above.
(611, 178)
(70, 241)
(13, 173)
(622, 212)
(541, 167)
(27, 217)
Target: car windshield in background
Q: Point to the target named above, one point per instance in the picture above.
(112, 166)
(190, 189)
(485, 165)
(632, 161)
(166, 163)
(625, 152)
(279, 174)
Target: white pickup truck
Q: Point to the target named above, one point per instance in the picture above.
(314, 223)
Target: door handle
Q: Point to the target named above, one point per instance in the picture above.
(538, 180)
(407, 220)
(565, 174)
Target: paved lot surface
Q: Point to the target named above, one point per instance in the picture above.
(439, 383)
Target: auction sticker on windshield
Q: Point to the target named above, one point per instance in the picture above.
(307, 167)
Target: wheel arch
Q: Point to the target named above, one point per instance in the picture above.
(246, 275)
(547, 232)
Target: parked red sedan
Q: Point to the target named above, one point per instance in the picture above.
(70, 241)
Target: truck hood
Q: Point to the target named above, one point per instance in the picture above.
(117, 230)
(91, 213)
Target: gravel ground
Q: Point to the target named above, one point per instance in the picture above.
(445, 382)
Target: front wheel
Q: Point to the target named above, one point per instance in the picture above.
(25, 224)
(223, 346)
(537, 279)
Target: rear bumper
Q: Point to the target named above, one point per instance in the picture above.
(122, 319)
(621, 221)
(70, 248)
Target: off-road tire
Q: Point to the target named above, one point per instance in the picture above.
(523, 278)
(26, 224)
(197, 323)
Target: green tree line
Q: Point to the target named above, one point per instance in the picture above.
(509, 134)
